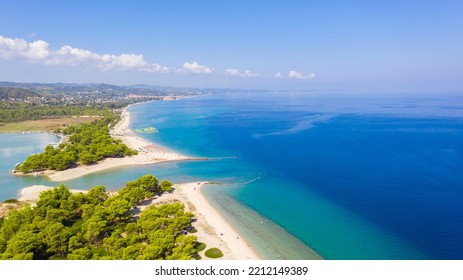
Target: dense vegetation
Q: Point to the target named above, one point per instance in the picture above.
(96, 226)
(22, 111)
(86, 144)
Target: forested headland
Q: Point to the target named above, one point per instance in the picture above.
(86, 144)
(98, 226)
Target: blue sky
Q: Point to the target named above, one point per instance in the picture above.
(376, 46)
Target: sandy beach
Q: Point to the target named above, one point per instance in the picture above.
(148, 153)
(212, 228)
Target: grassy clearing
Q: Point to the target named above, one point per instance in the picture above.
(45, 125)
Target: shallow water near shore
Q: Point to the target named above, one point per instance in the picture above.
(353, 177)
(268, 239)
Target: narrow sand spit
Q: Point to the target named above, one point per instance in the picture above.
(148, 153)
(212, 228)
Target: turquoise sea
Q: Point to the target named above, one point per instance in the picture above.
(352, 176)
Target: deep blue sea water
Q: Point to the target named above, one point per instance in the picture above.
(352, 176)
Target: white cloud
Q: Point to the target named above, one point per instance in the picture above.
(249, 74)
(39, 52)
(20, 48)
(236, 73)
(297, 75)
(195, 68)
(232, 72)
(278, 76)
(156, 68)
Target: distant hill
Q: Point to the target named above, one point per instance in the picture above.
(34, 101)
(102, 91)
(16, 94)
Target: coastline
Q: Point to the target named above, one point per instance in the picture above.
(148, 153)
(212, 228)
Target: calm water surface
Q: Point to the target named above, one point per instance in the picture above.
(353, 177)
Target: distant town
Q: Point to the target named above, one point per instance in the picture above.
(89, 94)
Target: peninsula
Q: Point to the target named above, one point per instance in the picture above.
(147, 153)
(210, 226)
(86, 117)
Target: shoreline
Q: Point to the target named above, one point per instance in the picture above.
(212, 228)
(148, 153)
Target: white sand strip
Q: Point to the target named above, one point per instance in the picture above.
(212, 227)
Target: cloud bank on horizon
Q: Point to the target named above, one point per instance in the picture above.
(39, 51)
